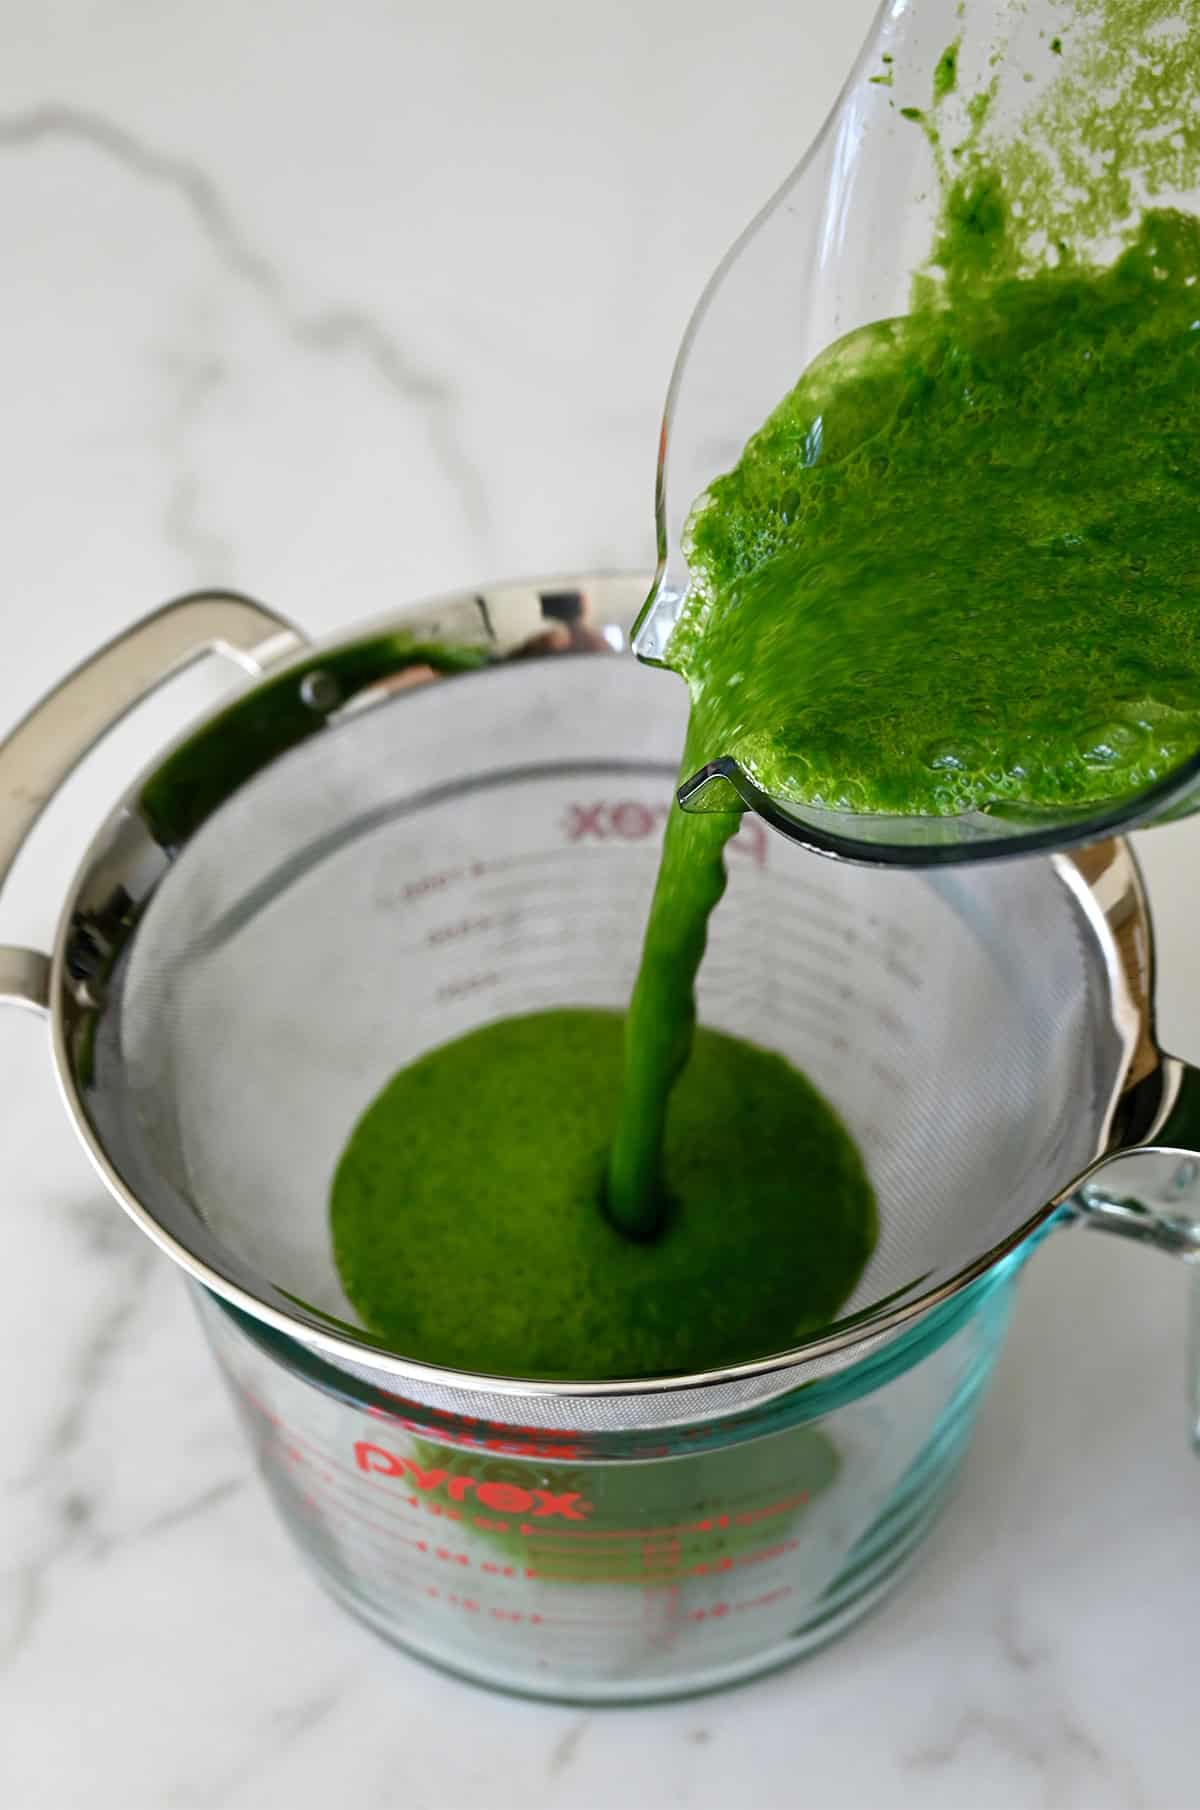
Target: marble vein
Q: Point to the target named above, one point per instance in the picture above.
(106, 1234)
(65, 1527)
(196, 376)
(566, 1747)
(26, 1584)
(338, 329)
(1061, 1754)
(281, 1728)
(202, 1503)
(1042, 1734)
(25, 1591)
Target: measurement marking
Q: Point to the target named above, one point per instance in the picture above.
(707, 1524)
(452, 933)
(567, 1567)
(548, 1540)
(647, 1535)
(456, 989)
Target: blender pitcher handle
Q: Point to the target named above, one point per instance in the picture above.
(50, 741)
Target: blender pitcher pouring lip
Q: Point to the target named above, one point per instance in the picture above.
(723, 785)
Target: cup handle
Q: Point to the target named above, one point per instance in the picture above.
(1165, 1209)
(1162, 1208)
(49, 743)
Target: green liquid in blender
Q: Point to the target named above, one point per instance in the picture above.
(959, 565)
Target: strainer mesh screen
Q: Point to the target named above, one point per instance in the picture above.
(382, 889)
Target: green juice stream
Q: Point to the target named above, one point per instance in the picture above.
(468, 1210)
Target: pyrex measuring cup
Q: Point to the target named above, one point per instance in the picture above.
(615, 1567)
(453, 816)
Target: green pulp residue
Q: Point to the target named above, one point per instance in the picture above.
(466, 1219)
(945, 72)
(957, 566)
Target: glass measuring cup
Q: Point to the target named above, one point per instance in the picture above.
(838, 246)
(360, 858)
(617, 1567)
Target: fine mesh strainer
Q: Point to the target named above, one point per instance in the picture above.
(426, 825)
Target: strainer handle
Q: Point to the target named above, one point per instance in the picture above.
(48, 744)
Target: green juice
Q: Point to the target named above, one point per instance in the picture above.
(958, 565)
(581, 1194)
(468, 1220)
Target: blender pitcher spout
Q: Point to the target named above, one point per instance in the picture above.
(723, 786)
(719, 787)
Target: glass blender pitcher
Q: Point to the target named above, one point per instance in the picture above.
(434, 821)
(1101, 101)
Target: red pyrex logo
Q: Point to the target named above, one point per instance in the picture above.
(501, 1498)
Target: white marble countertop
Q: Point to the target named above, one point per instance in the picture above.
(343, 305)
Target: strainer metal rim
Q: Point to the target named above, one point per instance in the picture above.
(1139, 1101)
